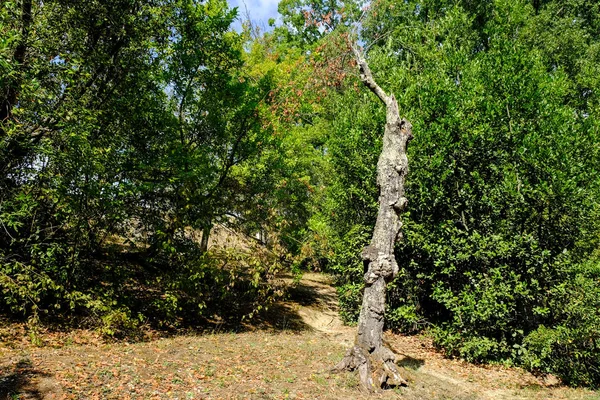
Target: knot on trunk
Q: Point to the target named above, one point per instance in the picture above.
(406, 129)
(400, 204)
(384, 266)
(401, 169)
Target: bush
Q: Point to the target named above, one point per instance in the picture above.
(350, 300)
(347, 265)
(570, 347)
(503, 186)
(125, 291)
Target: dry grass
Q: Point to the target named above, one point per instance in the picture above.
(281, 360)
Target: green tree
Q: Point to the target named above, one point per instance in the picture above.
(504, 176)
(131, 126)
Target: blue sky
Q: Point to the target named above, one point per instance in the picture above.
(260, 11)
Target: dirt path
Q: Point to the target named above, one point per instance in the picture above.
(314, 301)
(313, 305)
(288, 357)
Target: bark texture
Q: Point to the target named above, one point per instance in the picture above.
(375, 362)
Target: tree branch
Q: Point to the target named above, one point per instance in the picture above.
(367, 77)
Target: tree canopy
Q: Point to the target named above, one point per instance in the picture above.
(131, 130)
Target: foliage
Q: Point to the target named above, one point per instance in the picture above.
(125, 126)
(503, 185)
(305, 22)
(570, 347)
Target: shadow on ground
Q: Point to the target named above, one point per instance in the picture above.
(279, 317)
(411, 363)
(16, 379)
(310, 292)
(285, 316)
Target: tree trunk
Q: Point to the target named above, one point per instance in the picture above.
(16, 148)
(204, 239)
(10, 98)
(374, 361)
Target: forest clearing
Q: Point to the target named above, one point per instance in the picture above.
(339, 199)
(287, 356)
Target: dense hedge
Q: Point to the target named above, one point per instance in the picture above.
(497, 256)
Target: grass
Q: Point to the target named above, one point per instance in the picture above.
(250, 365)
(277, 361)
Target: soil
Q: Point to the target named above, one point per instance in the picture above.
(287, 354)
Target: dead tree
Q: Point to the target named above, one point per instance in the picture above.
(375, 362)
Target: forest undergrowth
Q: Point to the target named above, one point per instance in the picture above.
(286, 354)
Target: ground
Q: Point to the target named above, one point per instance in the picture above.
(285, 355)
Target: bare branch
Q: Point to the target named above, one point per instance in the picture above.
(367, 77)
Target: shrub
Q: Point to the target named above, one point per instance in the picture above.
(503, 186)
(570, 347)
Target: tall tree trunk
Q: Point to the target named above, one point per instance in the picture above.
(374, 361)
